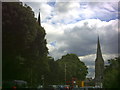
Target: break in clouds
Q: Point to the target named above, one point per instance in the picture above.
(73, 27)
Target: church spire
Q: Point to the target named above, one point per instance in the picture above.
(99, 53)
(39, 21)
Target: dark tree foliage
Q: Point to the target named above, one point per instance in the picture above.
(52, 77)
(23, 41)
(112, 73)
(74, 68)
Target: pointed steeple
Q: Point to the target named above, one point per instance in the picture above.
(99, 65)
(39, 21)
(99, 53)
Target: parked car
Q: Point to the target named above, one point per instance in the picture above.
(14, 84)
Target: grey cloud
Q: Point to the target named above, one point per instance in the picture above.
(83, 40)
(109, 40)
(80, 40)
(62, 7)
(89, 62)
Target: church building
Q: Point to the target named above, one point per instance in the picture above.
(99, 66)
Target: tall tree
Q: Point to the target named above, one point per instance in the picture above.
(74, 67)
(24, 44)
(112, 73)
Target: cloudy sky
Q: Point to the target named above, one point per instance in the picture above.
(73, 27)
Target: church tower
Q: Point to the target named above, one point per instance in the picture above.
(99, 65)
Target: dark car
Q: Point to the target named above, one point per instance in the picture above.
(14, 84)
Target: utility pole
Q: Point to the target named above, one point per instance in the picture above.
(31, 76)
(65, 74)
(42, 77)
